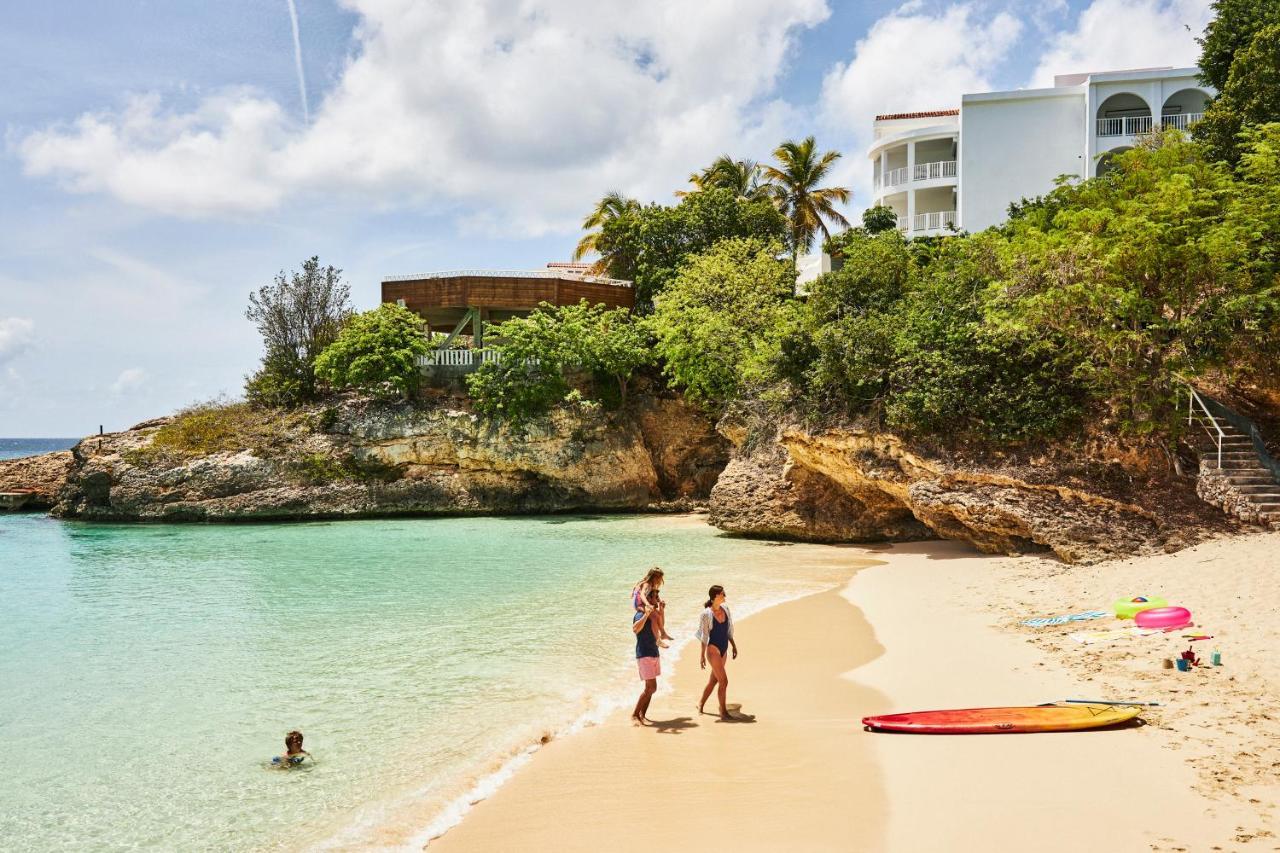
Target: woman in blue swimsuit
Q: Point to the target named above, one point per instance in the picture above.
(715, 633)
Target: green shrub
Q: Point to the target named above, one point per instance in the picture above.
(376, 353)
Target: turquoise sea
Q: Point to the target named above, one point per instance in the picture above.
(148, 673)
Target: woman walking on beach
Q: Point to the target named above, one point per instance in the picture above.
(715, 633)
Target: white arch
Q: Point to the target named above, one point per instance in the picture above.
(1104, 163)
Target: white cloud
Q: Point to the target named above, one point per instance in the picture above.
(1114, 35)
(528, 112)
(130, 379)
(17, 335)
(910, 60)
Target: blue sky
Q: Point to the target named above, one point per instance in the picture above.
(157, 166)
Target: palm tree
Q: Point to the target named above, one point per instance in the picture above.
(793, 185)
(610, 207)
(741, 176)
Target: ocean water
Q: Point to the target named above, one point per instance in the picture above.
(12, 448)
(148, 673)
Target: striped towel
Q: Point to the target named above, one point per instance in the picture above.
(1062, 620)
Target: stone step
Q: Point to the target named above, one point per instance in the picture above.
(1259, 494)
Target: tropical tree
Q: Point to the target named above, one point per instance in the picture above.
(298, 316)
(714, 319)
(646, 246)
(794, 185)
(743, 177)
(1250, 96)
(610, 207)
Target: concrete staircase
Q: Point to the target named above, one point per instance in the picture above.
(1243, 486)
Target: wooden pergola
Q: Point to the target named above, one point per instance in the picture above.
(449, 302)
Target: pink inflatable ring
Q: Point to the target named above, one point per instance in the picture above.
(1165, 618)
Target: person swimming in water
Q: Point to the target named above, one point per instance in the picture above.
(294, 754)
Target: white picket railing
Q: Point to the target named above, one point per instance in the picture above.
(896, 177)
(1124, 126)
(935, 170)
(934, 221)
(458, 357)
(920, 172)
(1180, 121)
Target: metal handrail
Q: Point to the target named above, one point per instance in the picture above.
(1191, 416)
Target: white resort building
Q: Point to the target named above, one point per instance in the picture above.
(961, 168)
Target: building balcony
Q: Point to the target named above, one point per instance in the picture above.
(927, 224)
(904, 175)
(1135, 125)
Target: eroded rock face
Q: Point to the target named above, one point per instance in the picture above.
(857, 486)
(374, 459)
(44, 474)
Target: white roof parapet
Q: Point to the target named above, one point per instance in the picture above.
(566, 276)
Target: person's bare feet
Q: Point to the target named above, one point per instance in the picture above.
(638, 721)
(663, 645)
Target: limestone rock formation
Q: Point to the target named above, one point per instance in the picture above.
(376, 459)
(857, 486)
(44, 474)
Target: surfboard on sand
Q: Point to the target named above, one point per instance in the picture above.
(1040, 718)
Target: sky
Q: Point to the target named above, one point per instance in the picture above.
(159, 160)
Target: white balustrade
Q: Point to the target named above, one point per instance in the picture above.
(1180, 121)
(895, 177)
(1124, 126)
(935, 170)
(935, 221)
(458, 357)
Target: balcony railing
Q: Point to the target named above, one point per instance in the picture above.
(932, 171)
(1134, 125)
(1181, 121)
(935, 221)
(896, 177)
(920, 172)
(1124, 126)
(458, 357)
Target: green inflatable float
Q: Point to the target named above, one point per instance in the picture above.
(1127, 608)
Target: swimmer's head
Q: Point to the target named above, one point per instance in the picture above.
(293, 741)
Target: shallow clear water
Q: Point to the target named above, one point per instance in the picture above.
(147, 673)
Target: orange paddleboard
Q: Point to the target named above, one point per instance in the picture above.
(979, 721)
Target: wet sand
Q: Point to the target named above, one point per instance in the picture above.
(920, 630)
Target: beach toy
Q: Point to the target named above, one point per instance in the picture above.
(1216, 658)
(1164, 618)
(1168, 663)
(1184, 665)
(1125, 608)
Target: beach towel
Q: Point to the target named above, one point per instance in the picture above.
(1062, 620)
(1088, 638)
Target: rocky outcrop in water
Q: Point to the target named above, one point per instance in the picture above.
(364, 459)
(850, 485)
(44, 475)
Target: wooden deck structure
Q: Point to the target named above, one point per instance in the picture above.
(450, 301)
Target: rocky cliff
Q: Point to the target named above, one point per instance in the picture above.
(851, 485)
(45, 474)
(364, 459)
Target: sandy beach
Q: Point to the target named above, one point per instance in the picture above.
(936, 625)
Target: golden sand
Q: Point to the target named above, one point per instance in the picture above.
(930, 626)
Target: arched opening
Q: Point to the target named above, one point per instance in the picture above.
(1123, 114)
(1107, 161)
(1183, 108)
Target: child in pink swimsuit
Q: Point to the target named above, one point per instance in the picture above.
(652, 582)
